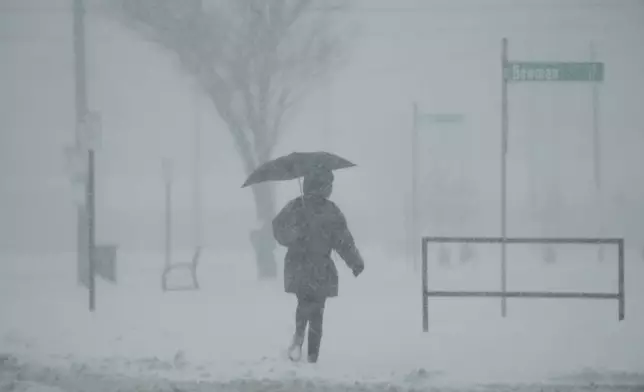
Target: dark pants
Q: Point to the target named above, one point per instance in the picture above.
(310, 310)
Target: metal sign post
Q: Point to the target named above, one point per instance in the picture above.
(89, 132)
(504, 164)
(81, 107)
(597, 154)
(196, 192)
(414, 186)
(80, 162)
(167, 175)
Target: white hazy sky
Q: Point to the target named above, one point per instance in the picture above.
(445, 55)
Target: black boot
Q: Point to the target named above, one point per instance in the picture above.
(295, 349)
(315, 332)
(314, 346)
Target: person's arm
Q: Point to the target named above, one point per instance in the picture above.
(344, 243)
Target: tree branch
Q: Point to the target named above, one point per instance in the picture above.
(254, 58)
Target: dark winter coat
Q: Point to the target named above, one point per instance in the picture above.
(311, 227)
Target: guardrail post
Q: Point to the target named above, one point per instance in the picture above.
(425, 287)
(620, 260)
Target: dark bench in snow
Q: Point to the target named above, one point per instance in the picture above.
(191, 266)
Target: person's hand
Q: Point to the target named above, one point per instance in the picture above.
(358, 270)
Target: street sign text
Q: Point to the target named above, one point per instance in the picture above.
(531, 71)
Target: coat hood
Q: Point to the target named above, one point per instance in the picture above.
(318, 183)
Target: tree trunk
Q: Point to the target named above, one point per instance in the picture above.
(262, 237)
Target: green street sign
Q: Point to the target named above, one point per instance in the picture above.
(441, 118)
(536, 71)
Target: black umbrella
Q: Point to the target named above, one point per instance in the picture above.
(296, 165)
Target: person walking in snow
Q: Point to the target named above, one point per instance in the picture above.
(311, 227)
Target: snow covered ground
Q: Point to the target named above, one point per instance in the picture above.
(232, 333)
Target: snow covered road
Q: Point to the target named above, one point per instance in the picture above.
(28, 378)
(230, 335)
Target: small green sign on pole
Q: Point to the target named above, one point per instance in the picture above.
(540, 71)
(441, 118)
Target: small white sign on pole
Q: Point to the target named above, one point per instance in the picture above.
(75, 164)
(78, 194)
(89, 132)
(168, 168)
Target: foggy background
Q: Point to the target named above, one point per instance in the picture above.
(444, 55)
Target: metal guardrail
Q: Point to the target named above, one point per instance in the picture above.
(619, 296)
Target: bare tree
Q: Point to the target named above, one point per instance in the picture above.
(254, 59)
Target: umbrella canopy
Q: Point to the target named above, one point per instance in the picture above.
(296, 165)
